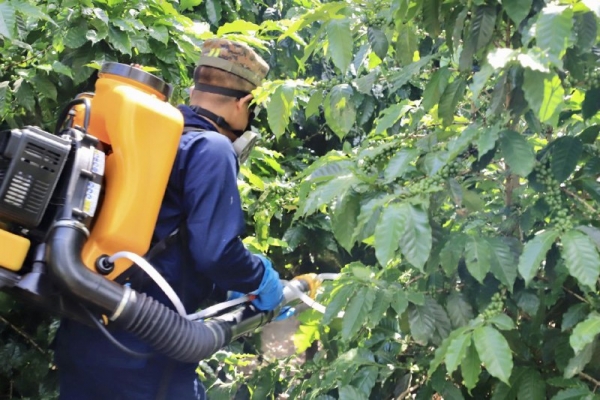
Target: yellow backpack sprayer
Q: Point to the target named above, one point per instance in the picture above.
(70, 201)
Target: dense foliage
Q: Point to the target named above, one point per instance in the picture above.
(442, 155)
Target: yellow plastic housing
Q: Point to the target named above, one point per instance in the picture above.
(13, 250)
(143, 131)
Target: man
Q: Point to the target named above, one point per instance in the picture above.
(203, 201)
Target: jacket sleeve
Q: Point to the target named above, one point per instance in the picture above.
(215, 220)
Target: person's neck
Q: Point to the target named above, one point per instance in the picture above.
(219, 129)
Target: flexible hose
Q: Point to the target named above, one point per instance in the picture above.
(162, 328)
(152, 273)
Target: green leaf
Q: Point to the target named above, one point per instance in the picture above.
(399, 302)
(402, 77)
(365, 83)
(581, 257)
(435, 87)
(344, 219)
(4, 98)
(579, 361)
(280, 108)
(457, 350)
(482, 26)
(312, 107)
(502, 322)
(160, 33)
(416, 239)
(453, 93)
(24, 94)
(365, 379)
(213, 11)
(553, 29)
(544, 93)
(422, 323)
(590, 106)
(494, 352)
(326, 192)
(76, 36)
(459, 310)
(43, 85)
(531, 386)
(579, 393)
(383, 299)
(470, 367)
(391, 115)
(585, 332)
(338, 302)
(481, 79)
(517, 10)
(566, 152)
(60, 68)
(478, 257)
(587, 30)
(431, 17)
(534, 252)
(351, 393)
(388, 232)
(341, 43)
(378, 41)
(119, 40)
(188, 4)
(340, 111)
(452, 252)
(357, 312)
(463, 140)
(440, 352)
(574, 315)
(31, 11)
(406, 44)
(487, 140)
(399, 164)
(504, 262)
(7, 20)
(517, 152)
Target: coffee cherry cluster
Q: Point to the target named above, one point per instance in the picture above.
(495, 307)
(369, 163)
(432, 184)
(553, 197)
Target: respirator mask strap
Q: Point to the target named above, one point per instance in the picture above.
(246, 138)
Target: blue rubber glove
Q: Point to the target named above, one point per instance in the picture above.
(270, 292)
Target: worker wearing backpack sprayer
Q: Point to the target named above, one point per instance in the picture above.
(197, 246)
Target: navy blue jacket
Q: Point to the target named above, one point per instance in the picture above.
(202, 192)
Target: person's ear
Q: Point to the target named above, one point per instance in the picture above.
(245, 101)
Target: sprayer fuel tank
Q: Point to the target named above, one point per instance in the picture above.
(130, 113)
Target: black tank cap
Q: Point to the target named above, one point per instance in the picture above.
(128, 71)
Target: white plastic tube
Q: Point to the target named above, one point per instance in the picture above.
(156, 277)
(311, 302)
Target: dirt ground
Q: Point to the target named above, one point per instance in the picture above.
(277, 338)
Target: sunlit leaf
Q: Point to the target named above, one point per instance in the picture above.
(517, 152)
(340, 43)
(494, 352)
(534, 252)
(581, 257)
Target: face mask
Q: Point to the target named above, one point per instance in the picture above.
(244, 145)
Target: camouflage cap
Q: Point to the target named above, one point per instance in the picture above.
(234, 57)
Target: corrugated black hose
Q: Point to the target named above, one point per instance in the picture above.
(168, 332)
